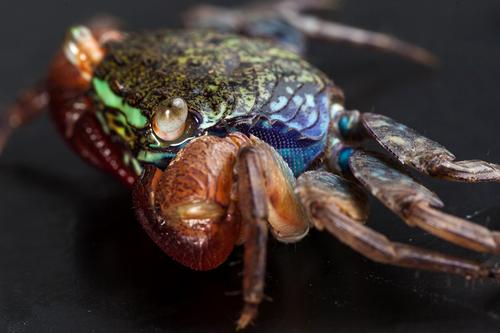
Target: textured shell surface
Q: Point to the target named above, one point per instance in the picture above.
(221, 76)
(225, 79)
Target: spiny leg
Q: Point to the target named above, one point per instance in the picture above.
(416, 205)
(425, 155)
(324, 195)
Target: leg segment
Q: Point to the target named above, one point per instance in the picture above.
(254, 211)
(29, 105)
(257, 20)
(284, 22)
(417, 205)
(425, 155)
(316, 28)
(323, 194)
(265, 195)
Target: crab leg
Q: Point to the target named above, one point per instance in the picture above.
(289, 13)
(30, 104)
(425, 155)
(324, 195)
(254, 209)
(265, 196)
(317, 28)
(418, 206)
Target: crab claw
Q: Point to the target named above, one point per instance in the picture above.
(187, 208)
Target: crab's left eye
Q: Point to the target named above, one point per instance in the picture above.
(169, 120)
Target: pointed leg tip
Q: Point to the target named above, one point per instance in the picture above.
(423, 57)
(247, 316)
(472, 171)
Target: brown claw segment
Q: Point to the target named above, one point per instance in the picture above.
(416, 205)
(187, 209)
(425, 155)
(319, 198)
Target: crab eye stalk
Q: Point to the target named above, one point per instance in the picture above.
(169, 120)
(83, 50)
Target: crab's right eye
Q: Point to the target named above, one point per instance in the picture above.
(169, 120)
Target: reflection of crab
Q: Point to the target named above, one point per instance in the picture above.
(217, 125)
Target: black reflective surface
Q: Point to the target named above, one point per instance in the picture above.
(73, 258)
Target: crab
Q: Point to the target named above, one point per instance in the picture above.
(225, 134)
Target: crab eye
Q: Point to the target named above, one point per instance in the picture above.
(169, 120)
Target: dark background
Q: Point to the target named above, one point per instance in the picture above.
(73, 258)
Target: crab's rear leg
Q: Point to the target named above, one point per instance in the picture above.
(284, 22)
(336, 205)
(315, 27)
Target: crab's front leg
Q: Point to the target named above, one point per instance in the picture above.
(219, 192)
(265, 195)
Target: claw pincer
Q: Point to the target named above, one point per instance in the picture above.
(186, 208)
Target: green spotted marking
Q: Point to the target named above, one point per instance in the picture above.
(110, 99)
